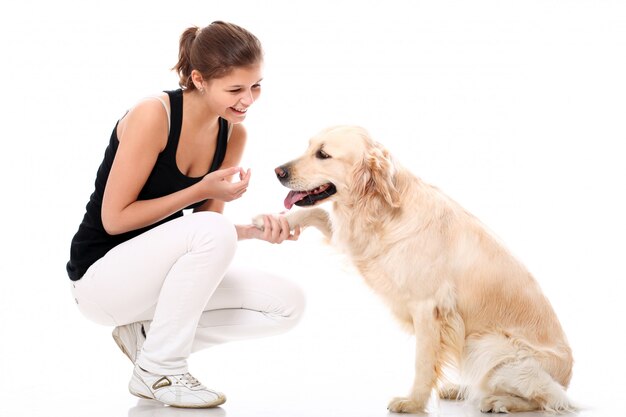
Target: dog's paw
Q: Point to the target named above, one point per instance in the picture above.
(504, 404)
(491, 405)
(515, 404)
(405, 405)
(257, 221)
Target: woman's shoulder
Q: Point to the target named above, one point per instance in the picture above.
(149, 117)
(153, 103)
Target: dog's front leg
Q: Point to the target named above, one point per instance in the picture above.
(427, 337)
(315, 217)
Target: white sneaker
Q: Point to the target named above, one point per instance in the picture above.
(176, 390)
(130, 338)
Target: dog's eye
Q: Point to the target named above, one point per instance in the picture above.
(322, 155)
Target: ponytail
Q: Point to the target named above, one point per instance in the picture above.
(183, 66)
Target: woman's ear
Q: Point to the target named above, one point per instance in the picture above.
(374, 176)
(197, 79)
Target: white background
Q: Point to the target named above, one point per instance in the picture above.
(515, 109)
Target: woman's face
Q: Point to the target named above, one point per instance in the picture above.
(231, 96)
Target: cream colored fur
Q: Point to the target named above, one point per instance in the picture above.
(472, 306)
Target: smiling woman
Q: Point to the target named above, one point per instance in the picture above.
(233, 93)
(165, 279)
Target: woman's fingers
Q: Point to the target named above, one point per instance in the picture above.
(238, 188)
(226, 173)
(285, 231)
(245, 175)
(267, 228)
(275, 229)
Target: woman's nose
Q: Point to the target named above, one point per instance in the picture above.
(248, 98)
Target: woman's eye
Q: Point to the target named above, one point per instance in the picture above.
(238, 90)
(322, 155)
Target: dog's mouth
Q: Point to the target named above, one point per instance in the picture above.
(311, 197)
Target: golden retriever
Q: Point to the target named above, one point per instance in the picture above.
(472, 306)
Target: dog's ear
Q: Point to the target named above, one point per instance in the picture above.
(374, 177)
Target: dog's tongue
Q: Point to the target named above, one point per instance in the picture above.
(293, 197)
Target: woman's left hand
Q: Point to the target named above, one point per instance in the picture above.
(275, 230)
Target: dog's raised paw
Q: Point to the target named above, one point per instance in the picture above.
(405, 405)
(258, 221)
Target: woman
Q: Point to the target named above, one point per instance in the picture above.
(164, 278)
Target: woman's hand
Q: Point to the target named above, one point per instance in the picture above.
(275, 230)
(218, 186)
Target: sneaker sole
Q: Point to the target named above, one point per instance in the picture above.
(218, 402)
(214, 404)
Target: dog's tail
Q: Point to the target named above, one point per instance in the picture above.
(507, 375)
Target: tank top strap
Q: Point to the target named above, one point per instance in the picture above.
(167, 111)
(222, 144)
(176, 119)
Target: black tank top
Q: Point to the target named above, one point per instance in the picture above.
(91, 241)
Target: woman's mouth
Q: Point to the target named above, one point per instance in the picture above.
(239, 110)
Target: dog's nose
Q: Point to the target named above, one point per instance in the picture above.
(282, 172)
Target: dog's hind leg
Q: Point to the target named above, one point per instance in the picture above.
(523, 385)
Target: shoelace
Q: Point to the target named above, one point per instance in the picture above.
(190, 381)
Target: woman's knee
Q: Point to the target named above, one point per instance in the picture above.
(293, 301)
(214, 230)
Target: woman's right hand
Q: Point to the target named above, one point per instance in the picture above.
(217, 184)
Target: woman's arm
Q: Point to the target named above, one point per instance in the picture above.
(143, 137)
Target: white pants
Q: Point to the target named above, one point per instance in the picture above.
(178, 277)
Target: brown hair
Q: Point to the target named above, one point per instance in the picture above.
(214, 51)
